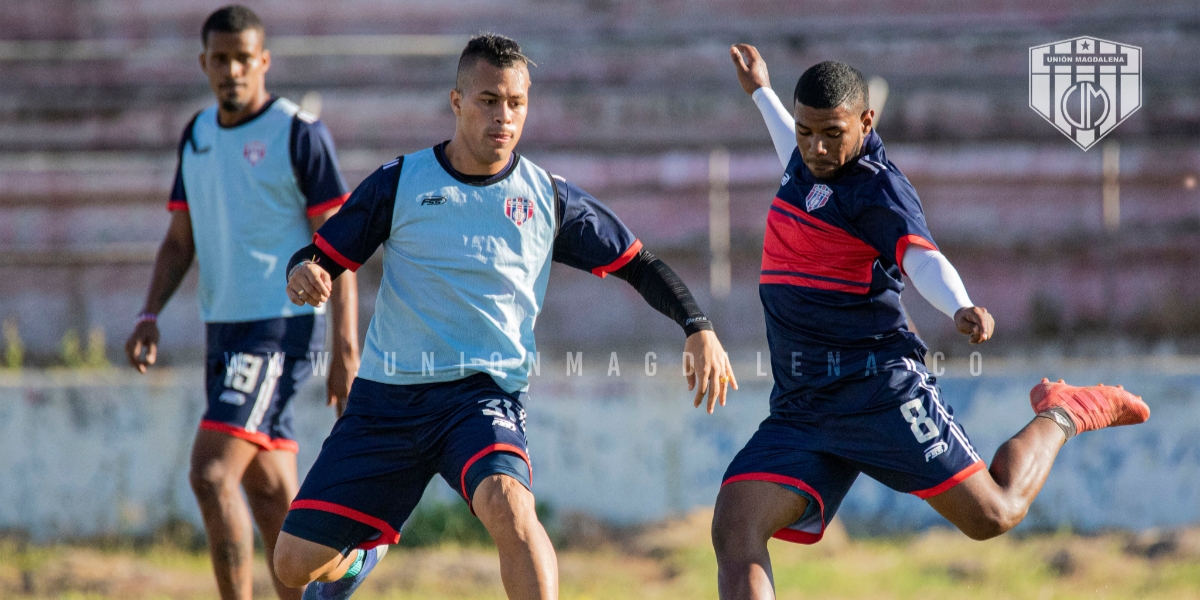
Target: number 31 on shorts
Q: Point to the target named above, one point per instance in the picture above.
(923, 428)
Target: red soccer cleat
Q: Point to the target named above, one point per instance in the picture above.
(1093, 407)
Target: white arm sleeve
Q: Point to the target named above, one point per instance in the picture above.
(936, 279)
(779, 122)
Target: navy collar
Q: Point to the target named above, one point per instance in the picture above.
(439, 151)
(248, 119)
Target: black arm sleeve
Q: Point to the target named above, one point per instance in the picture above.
(663, 290)
(314, 254)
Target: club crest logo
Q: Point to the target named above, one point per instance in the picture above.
(817, 197)
(1085, 86)
(518, 209)
(254, 152)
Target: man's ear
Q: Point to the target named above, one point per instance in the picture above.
(868, 120)
(266, 58)
(456, 102)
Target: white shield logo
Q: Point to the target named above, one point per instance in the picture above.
(1085, 86)
(817, 197)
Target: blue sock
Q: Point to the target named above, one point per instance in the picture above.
(356, 568)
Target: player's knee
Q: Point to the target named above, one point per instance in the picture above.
(995, 521)
(291, 565)
(210, 480)
(733, 537)
(504, 505)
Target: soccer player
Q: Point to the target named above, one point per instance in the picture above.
(256, 176)
(852, 394)
(469, 229)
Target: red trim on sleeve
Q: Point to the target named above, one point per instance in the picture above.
(958, 478)
(334, 254)
(621, 261)
(331, 203)
(177, 205)
(389, 535)
(786, 534)
(904, 242)
(462, 478)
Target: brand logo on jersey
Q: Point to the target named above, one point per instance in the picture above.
(433, 200)
(817, 197)
(786, 178)
(1085, 86)
(935, 450)
(254, 152)
(518, 209)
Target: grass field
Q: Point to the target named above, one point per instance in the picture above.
(674, 560)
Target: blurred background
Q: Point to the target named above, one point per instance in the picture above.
(636, 101)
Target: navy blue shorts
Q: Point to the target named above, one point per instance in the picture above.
(891, 425)
(380, 456)
(253, 369)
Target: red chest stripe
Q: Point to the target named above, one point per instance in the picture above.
(801, 250)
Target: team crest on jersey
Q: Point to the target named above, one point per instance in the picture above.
(817, 197)
(518, 209)
(254, 152)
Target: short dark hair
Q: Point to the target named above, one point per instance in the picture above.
(832, 84)
(499, 51)
(230, 19)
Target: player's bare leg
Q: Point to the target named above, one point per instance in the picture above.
(298, 561)
(271, 483)
(218, 463)
(528, 566)
(747, 514)
(992, 502)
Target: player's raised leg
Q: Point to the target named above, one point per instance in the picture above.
(271, 482)
(747, 514)
(218, 463)
(994, 501)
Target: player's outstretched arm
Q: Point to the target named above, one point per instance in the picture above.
(754, 79)
(175, 256)
(706, 363)
(592, 238)
(938, 282)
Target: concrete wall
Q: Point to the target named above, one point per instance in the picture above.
(95, 453)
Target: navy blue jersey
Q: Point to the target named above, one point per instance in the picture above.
(831, 266)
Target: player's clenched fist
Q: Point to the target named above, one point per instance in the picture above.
(976, 322)
(309, 284)
(142, 346)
